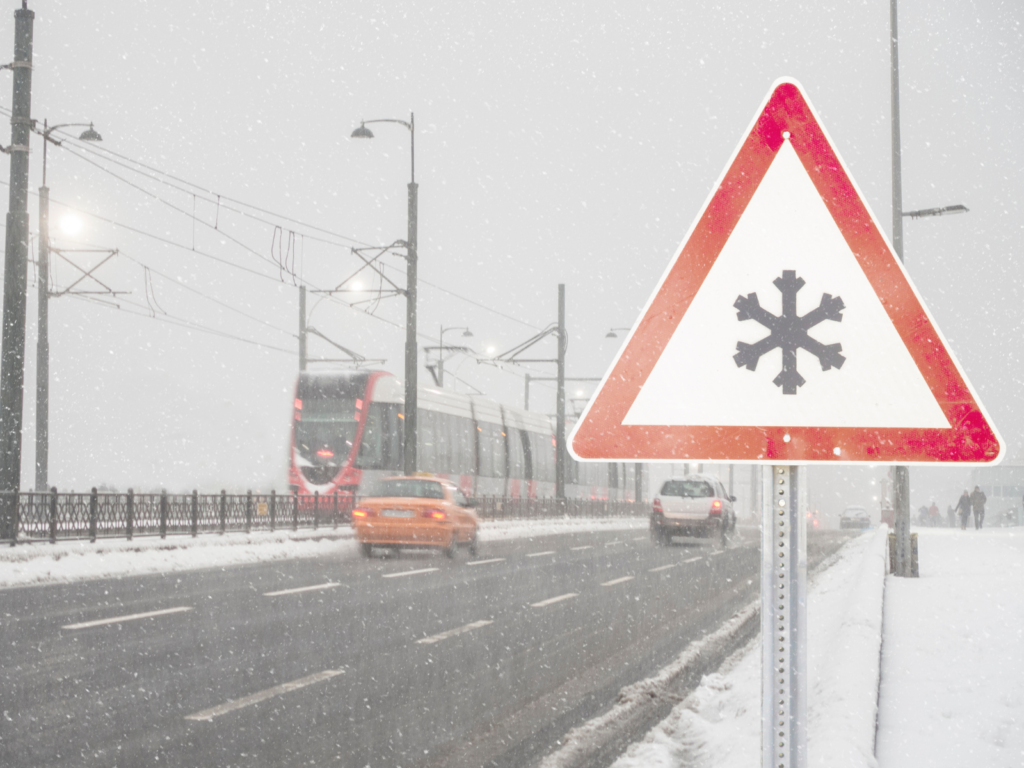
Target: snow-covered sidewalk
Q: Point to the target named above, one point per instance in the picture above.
(68, 561)
(952, 690)
(719, 724)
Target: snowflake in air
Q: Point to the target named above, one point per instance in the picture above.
(789, 332)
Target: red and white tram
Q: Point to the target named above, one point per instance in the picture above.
(347, 432)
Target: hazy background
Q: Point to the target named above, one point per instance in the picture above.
(556, 142)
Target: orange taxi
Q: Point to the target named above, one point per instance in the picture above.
(416, 512)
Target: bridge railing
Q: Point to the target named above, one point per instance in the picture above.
(53, 516)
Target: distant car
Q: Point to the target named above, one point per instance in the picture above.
(855, 517)
(695, 505)
(416, 512)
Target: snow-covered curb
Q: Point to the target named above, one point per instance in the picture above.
(719, 724)
(69, 561)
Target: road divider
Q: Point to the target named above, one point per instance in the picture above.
(408, 573)
(269, 693)
(553, 600)
(296, 590)
(129, 617)
(453, 632)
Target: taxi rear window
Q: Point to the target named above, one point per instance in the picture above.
(411, 489)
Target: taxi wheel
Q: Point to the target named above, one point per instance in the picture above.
(453, 546)
(367, 549)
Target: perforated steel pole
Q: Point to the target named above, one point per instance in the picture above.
(784, 619)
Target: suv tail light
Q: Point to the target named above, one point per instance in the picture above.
(716, 508)
(657, 505)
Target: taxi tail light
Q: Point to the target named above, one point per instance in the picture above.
(716, 508)
(434, 514)
(360, 512)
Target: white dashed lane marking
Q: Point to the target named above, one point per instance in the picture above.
(315, 587)
(453, 632)
(541, 554)
(640, 538)
(613, 582)
(408, 573)
(487, 562)
(256, 698)
(716, 554)
(577, 549)
(553, 600)
(130, 617)
(663, 567)
(611, 543)
(693, 560)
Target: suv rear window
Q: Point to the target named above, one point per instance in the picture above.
(411, 489)
(687, 489)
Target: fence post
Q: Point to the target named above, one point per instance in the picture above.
(316, 509)
(223, 510)
(248, 511)
(295, 509)
(129, 523)
(195, 513)
(273, 510)
(335, 509)
(163, 514)
(92, 514)
(53, 514)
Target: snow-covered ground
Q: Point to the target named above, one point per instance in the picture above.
(719, 724)
(66, 561)
(952, 689)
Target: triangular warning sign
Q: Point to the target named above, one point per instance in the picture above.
(786, 330)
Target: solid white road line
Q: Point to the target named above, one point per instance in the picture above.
(409, 573)
(454, 632)
(487, 562)
(553, 600)
(577, 549)
(326, 585)
(256, 698)
(541, 554)
(613, 582)
(663, 567)
(693, 559)
(130, 617)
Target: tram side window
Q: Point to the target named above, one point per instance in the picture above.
(543, 457)
(426, 455)
(516, 457)
(466, 464)
(492, 450)
(381, 447)
(524, 439)
(442, 443)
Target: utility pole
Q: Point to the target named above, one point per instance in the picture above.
(302, 327)
(12, 357)
(411, 362)
(560, 400)
(43, 343)
(901, 474)
(526, 397)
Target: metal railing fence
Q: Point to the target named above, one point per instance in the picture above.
(53, 516)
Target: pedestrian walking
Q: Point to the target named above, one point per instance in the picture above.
(951, 515)
(963, 508)
(978, 500)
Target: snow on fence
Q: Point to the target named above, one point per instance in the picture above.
(51, 516)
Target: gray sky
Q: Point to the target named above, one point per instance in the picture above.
(556, 142)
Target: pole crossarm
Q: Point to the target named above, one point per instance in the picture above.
(511, 356)
(87, 274)
(353, 357)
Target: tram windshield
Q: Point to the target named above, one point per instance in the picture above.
(326, 420)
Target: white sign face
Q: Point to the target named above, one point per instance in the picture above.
(786, 227)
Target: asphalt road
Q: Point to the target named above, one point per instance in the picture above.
(413, 661)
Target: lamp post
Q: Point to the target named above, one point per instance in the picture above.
(466, 334)
(43, 335)
(411, 410)
(612, 335)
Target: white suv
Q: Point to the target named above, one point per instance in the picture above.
(695, 505)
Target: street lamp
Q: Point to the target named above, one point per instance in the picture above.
(411, 410)
(43, 335)
(612, 335)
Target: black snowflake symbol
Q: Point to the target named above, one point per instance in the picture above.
(789, 332)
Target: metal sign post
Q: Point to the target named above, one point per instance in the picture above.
(784, 618)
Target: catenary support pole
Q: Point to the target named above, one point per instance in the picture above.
(560, 400)
(784, 618)
(43, 344)
(411, 358)
(901, 477)
(526, 396)
(12, 346)
(302, 328)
